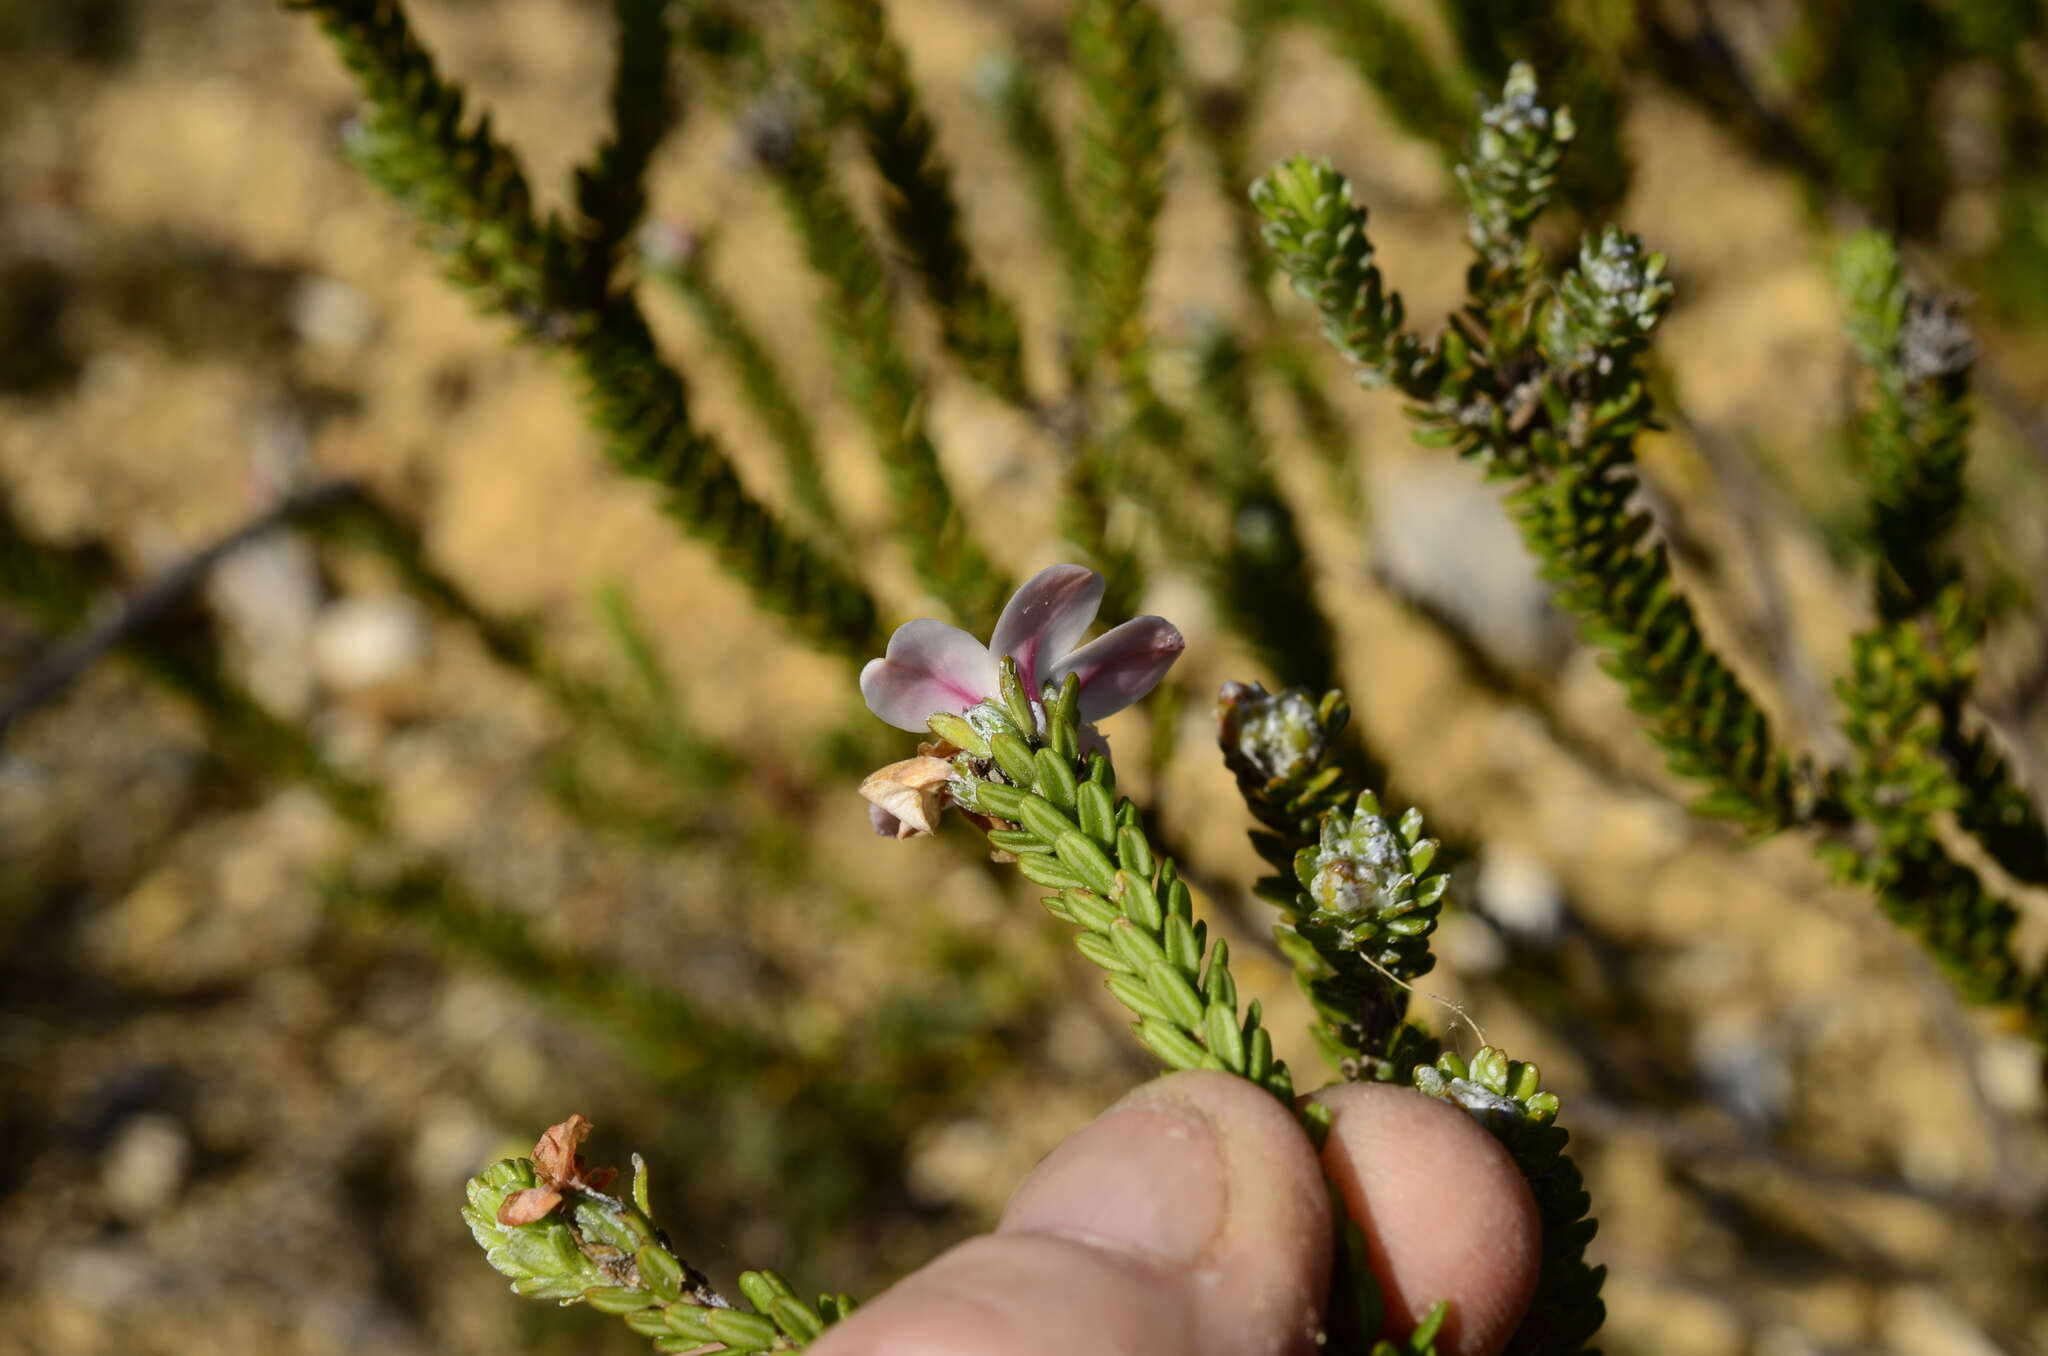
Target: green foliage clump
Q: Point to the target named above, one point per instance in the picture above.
(979, 327)
(1545, 392)
(1540, 381)
(471, 197)
(607, 1253)
(1357, 915)
(1070, 832)
(1121, 56)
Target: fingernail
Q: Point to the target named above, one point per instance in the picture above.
(1147, 1177)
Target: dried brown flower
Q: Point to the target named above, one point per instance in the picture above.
(907, 798)
(560, 1170)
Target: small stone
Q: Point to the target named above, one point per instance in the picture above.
(332, 315)
(145, 1167)
(2009, 1067)
(1743, 1071)
(367, 642)
(269, 594)
(1520, 893)
(1453, 549)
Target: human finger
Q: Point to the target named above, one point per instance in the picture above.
(1446, 1213)
(1191, 1218)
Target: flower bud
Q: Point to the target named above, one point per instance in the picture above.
(1271, 737)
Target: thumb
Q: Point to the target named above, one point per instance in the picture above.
(1192, 1218)
(1446, 1213)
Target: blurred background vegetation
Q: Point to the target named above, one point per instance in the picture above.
(471, 793)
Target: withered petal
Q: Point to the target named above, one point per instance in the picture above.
(554, 1157)
(912, 793)
(524, 1207)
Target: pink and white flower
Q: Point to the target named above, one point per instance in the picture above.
(932, 667)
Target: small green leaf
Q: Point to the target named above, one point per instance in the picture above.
(762, 1288)
(1135, 994)
(1090, 909)
(1080, 853)
(1049, 824)
(641, 1192)
(1049, 872)
(1015, 700)
(1183, 1005)
(1178, 1049)
(1017, 840)
(1136, 946)
(743, 1332)
(1097, 814)
(648, 1322)
(1490, 1069)
(1133, 852)
(662, 1272)
(1015, 758)
(1183, 946)
(1258, 1062)
(1217, 984)
(1102, 772)
(1054, 779)
(1226, 1041)
(798, 1321)
(616, 1299)
(1315, 1119)
(1140, 905)
(1063, 712)
(1102, 952)
(1004, 802)
(957, 732)
(1426, 1331)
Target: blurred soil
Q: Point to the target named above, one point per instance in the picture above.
(239, 1111)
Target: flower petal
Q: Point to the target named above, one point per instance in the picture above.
(929, 667)
(1046, 618)
(1122, 664)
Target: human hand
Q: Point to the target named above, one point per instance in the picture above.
(1192, 1219)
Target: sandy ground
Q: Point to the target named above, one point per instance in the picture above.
(238, 1117)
